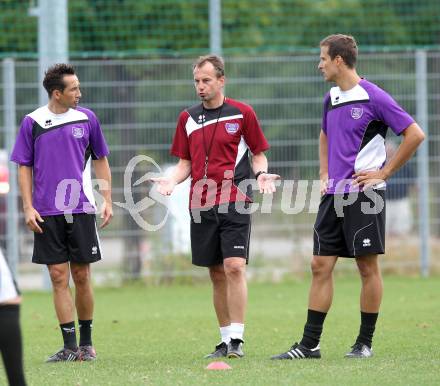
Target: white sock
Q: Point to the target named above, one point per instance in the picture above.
(236, 331)
(225, 334)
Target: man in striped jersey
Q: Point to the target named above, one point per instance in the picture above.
(351, 216)
(55, 148)
(214, 141)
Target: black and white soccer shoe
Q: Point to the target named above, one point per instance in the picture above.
(87, 353)
(360, 350)
(235, 348)
(65, 355)
(220, 351)
(298, 351)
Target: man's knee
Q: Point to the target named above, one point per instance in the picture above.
(217, 274)
(322, 266)
(80, 274)
(368, 266)
(234, 267)
(59, 275)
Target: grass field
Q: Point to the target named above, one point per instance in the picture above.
(158, 336)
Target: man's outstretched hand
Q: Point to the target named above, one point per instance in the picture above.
(266, 182)
(165, 185)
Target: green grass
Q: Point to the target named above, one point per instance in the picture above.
(157, 336)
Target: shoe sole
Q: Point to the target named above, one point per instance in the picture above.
(234, 355)
(293, 359)
(74, 360)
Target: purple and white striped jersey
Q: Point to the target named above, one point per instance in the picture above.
(356, 122)
(59, 147)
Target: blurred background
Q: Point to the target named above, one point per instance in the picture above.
(134, 58)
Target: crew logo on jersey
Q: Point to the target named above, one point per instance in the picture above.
(232, 128)
(356, 112)
(78, 132)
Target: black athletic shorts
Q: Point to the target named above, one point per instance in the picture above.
(61, 241)
(219, 235)
(350, 225)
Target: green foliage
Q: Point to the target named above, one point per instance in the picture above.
(135, 26)
(18, 29)
(113, 28)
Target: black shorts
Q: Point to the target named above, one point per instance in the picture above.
(219, 235)
(353, 230)
(61, 241)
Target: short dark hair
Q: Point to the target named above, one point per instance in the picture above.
(215, 60)
(343, 45)
(53, 77)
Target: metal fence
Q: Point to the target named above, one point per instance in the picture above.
(115, 28)
(138, 102)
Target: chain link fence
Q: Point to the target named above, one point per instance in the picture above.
(131, 28)
(138, 102)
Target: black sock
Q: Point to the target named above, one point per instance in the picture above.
(368, 325)
(11, 345)
(85, 332)
(69, 335)
(313, 328)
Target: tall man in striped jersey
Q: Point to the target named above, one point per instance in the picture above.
(213, 140)
(54, 149)
(11, 346)
(351, 215)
